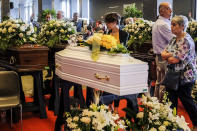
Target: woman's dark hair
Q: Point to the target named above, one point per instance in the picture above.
(112, 17)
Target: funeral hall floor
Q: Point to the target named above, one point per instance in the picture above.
(32, 121)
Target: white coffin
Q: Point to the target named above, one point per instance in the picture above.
(119, 74)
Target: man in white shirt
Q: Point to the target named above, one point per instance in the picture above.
(161, 36)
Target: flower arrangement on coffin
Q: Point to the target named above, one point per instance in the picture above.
(96, 118)
(155, 116)
(15, 33)
(192, 30)
(140, 31)
(55, 32)
(107, 42)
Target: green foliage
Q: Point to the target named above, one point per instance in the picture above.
(6, 18)
(119, 49)
(132, 11)
(45, 12)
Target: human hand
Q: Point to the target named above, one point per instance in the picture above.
(172, 60)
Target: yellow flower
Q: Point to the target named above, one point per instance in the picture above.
(162, 128)
(4, 30)
(106, 41)
(62, 31)
(166, 123)
(140, 115)
(93, 107)
(85, 120)
(76, 118)
(21, 35)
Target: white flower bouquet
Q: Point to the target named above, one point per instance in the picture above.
(140, 31)
(96, 118)
(192, 30)
(55, 32)
(155, 116)
(15, 33)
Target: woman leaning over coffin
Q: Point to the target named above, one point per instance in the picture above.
(112, 21)
(180, 55)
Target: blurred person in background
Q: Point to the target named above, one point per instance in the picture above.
(49, 71)
(60, 15)
(78, 23)
(98, 27)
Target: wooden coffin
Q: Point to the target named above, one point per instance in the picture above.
(118, 74)
(143, 48)
(51, 54)
(33, 57)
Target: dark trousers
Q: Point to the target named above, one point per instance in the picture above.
(184, 94)
(78, 94)
(132, 103)
(108, 98)
(89, 96)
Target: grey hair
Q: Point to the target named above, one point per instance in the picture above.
(181, 20)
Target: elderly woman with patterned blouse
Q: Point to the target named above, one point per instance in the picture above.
(180, 55)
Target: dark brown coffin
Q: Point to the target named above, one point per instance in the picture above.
(31, 57)
(143, 48)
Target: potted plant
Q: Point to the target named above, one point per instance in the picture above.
(132, 11)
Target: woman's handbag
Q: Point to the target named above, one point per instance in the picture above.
(172, 79)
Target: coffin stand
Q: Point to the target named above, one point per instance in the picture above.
(28, 60)
(119, 74)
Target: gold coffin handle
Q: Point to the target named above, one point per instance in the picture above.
(12, 60)
(101, 77)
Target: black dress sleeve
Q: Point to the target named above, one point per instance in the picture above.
(123, 36)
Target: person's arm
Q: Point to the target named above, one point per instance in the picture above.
(165, 32)
(173, 60)
(123, 37)
(165, 55)
(181, 53)
(168, 56)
